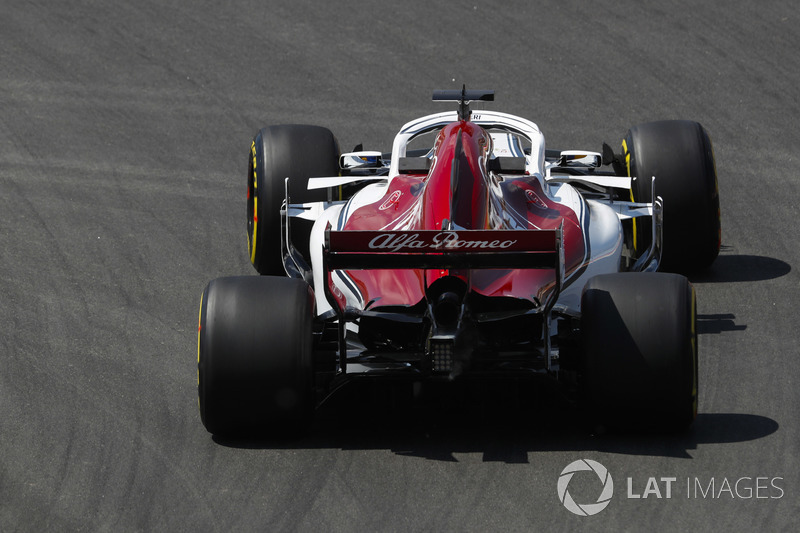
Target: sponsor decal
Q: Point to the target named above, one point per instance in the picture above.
(533, 198)
(393, 200)
(444, 240)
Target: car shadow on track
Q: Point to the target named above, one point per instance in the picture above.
(730, 268)
(504, 422)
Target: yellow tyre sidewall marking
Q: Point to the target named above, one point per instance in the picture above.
(253, 237)
(628, 165)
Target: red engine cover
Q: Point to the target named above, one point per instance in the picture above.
(461, 190)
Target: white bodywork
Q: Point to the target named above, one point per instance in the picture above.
(599, 217)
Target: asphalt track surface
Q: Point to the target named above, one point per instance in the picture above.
(124, 132)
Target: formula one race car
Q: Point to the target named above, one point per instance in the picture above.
(470, 251)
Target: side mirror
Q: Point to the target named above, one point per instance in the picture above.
(363, 160)
(580, 159)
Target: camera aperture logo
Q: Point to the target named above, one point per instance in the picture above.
(585, 509)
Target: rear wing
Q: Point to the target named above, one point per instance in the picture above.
(422, 249)
(435, 249)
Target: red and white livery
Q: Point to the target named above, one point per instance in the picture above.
(469, 250)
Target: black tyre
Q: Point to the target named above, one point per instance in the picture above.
(639, 341)
(680, 155)
(254, 355)
(277, 152)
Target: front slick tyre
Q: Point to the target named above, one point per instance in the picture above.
(297, 152)
(255, 372)
(680, 155)
(640, 351)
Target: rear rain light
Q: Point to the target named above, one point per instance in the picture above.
(442, 351)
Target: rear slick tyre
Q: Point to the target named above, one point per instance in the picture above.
(639, 367)
(255, 369)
